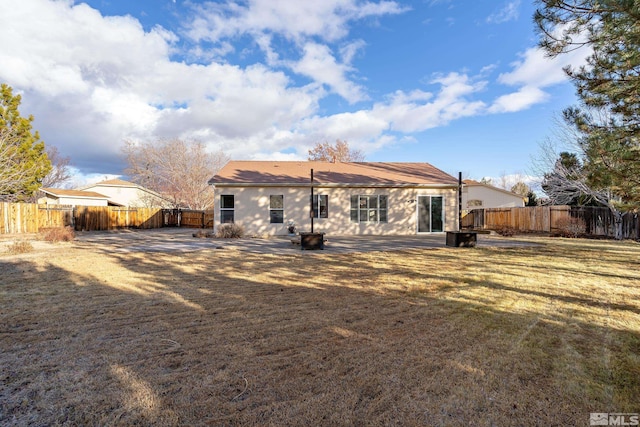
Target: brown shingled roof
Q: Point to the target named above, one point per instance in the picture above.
(471, 182)
(73, 193)
(360, 173)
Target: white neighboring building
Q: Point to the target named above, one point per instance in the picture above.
(476, 195)
(57, 196)
(125, 193)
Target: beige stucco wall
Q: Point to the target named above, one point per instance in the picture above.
(129, 196)
(491, 198)
(252, 210)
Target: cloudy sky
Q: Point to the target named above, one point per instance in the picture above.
(456, 83)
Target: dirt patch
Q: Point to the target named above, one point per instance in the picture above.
(491, 336)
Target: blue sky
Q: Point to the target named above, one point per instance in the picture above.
(459, 84)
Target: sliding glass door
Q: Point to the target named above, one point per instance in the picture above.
(430, 214)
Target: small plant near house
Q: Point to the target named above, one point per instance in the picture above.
(202, 234)
(570, 227)
(19, 247)
(506, 231)
(58, 234)
(230, 231)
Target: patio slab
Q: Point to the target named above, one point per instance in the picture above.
(182, 240)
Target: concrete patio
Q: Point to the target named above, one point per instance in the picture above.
(182, 240)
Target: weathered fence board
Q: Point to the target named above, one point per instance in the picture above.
(196, 219)
(18, 218)
(54, 216)
(546, 219)
(96, 218)
(601, 222)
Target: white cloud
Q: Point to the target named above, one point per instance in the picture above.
(520, 100)
(294, 19)
(508, 12)
(418, 111)
(92, 81)
(357, 126)
(350, 50)
(532, 73)
(535, 68)
(319, 63)
(301, 22)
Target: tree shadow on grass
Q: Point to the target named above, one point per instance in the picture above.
(226, 338)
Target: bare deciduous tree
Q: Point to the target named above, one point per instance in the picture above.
(59, 173)
(340, 152)
(567, 180)
(175, 168)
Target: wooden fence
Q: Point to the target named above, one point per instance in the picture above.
(547, 219)
(94, 218)
(188, 218)
(541, 219)
(601, 222)
(19, 218)
(53, 216)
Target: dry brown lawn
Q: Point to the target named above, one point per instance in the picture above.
(529, 336)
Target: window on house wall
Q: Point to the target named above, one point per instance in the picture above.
(320, 206)
(276, 209)
(227, 207)
(369, 208)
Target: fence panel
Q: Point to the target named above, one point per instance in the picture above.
(631, 226)
(497, 218)
(96, 218)
(601, 222)
(547, 219)
(557, 215)
(53, 216)
(468, 220)
(194, 219)
(18, 218)
(148, 218)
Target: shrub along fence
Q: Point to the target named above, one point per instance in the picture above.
(549, 219)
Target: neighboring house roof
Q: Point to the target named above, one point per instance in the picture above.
(114, 183)
(291, 173)
(78, 194)
(472, 183)
(126, 184)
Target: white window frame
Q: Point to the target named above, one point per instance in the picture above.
(232, 209)
(377, 209)
(272, 209)
(317, 214)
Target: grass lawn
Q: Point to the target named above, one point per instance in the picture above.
(528, 336)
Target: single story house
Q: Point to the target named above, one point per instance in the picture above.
(476, 195)
(266, 197)
(125, 193)
(57, 196)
